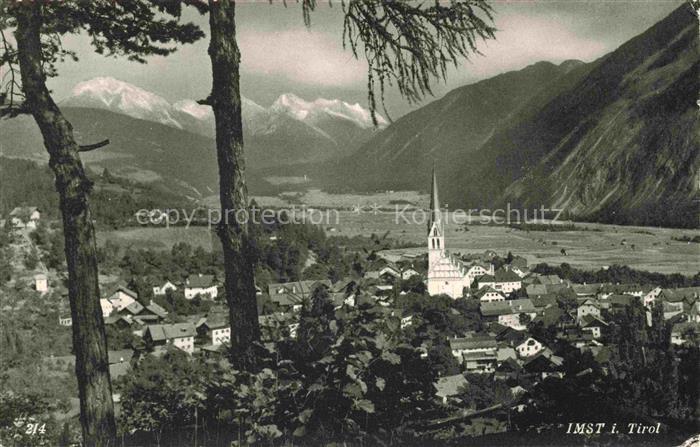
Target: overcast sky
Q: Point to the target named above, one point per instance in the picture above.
(280, 55)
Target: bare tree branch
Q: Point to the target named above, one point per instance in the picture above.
(92, 147)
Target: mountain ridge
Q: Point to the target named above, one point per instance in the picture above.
(612, 116)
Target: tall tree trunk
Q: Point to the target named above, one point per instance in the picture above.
(89, 342)
(238, 250)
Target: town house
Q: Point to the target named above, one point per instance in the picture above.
(202, 285)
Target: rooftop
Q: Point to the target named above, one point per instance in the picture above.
(200, 281)
(170, 331)
(496, 308)
(478, 342)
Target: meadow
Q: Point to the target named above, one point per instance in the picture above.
(589, 246)
(586, 245)
(158, 238)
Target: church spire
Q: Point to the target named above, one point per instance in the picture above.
(434, 201)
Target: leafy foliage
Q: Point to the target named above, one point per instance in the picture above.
(618, 274)
(350, 375)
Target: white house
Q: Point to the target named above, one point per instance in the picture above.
(471, 345)
(488, 294)
(589, 307)
(41, 283)
(504, 281)
(509, 313)
(515, 321)
(163, 290)
(200, 285)
(220, 335)
(121, 297)
(651, 296)
(593, 325)
(65, 321)
(107, 307)
(529, 347)
(25, 217)
(180, 335)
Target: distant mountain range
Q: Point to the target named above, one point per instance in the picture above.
(154, 140)
(291, 130)
(615, 140)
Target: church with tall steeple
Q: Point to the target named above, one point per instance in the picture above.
(447, 273)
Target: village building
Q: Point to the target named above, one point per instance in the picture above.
(508, 369)
(66, 321)
(470, 345)
(547, 280)
(593, 324)
(447, 273)
(488, 294)
(511, 313)
(393, 271)
(694, 312)
(214, 329)
(543, 302)
(624, 289)
(618, 302)
(151, 313)
(202, 285)
(120, 297)
(179, 335)
(480, 362)
(163, 290)
(650, 297)
(25, 217)
(586, 290)
(450, 386)
(41, 283)
(684, 294)
(291, 295)
(107, 307)
(504, 281)
(544, 364)
(588, 307)
(534, 290)
(681, 332)
(119, 362)
(529, 347)
(522, 272)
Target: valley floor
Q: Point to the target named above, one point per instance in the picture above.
(589, 246)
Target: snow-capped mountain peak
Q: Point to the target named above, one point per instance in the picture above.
(194, 109)
(115, 95)
(323, 124)
(314, 111)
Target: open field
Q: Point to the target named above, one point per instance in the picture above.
(157, 238)
(317, 198)
(593, 247)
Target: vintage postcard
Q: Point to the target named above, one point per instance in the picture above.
(349, 223)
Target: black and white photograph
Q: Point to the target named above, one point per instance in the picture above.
(349, 223)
